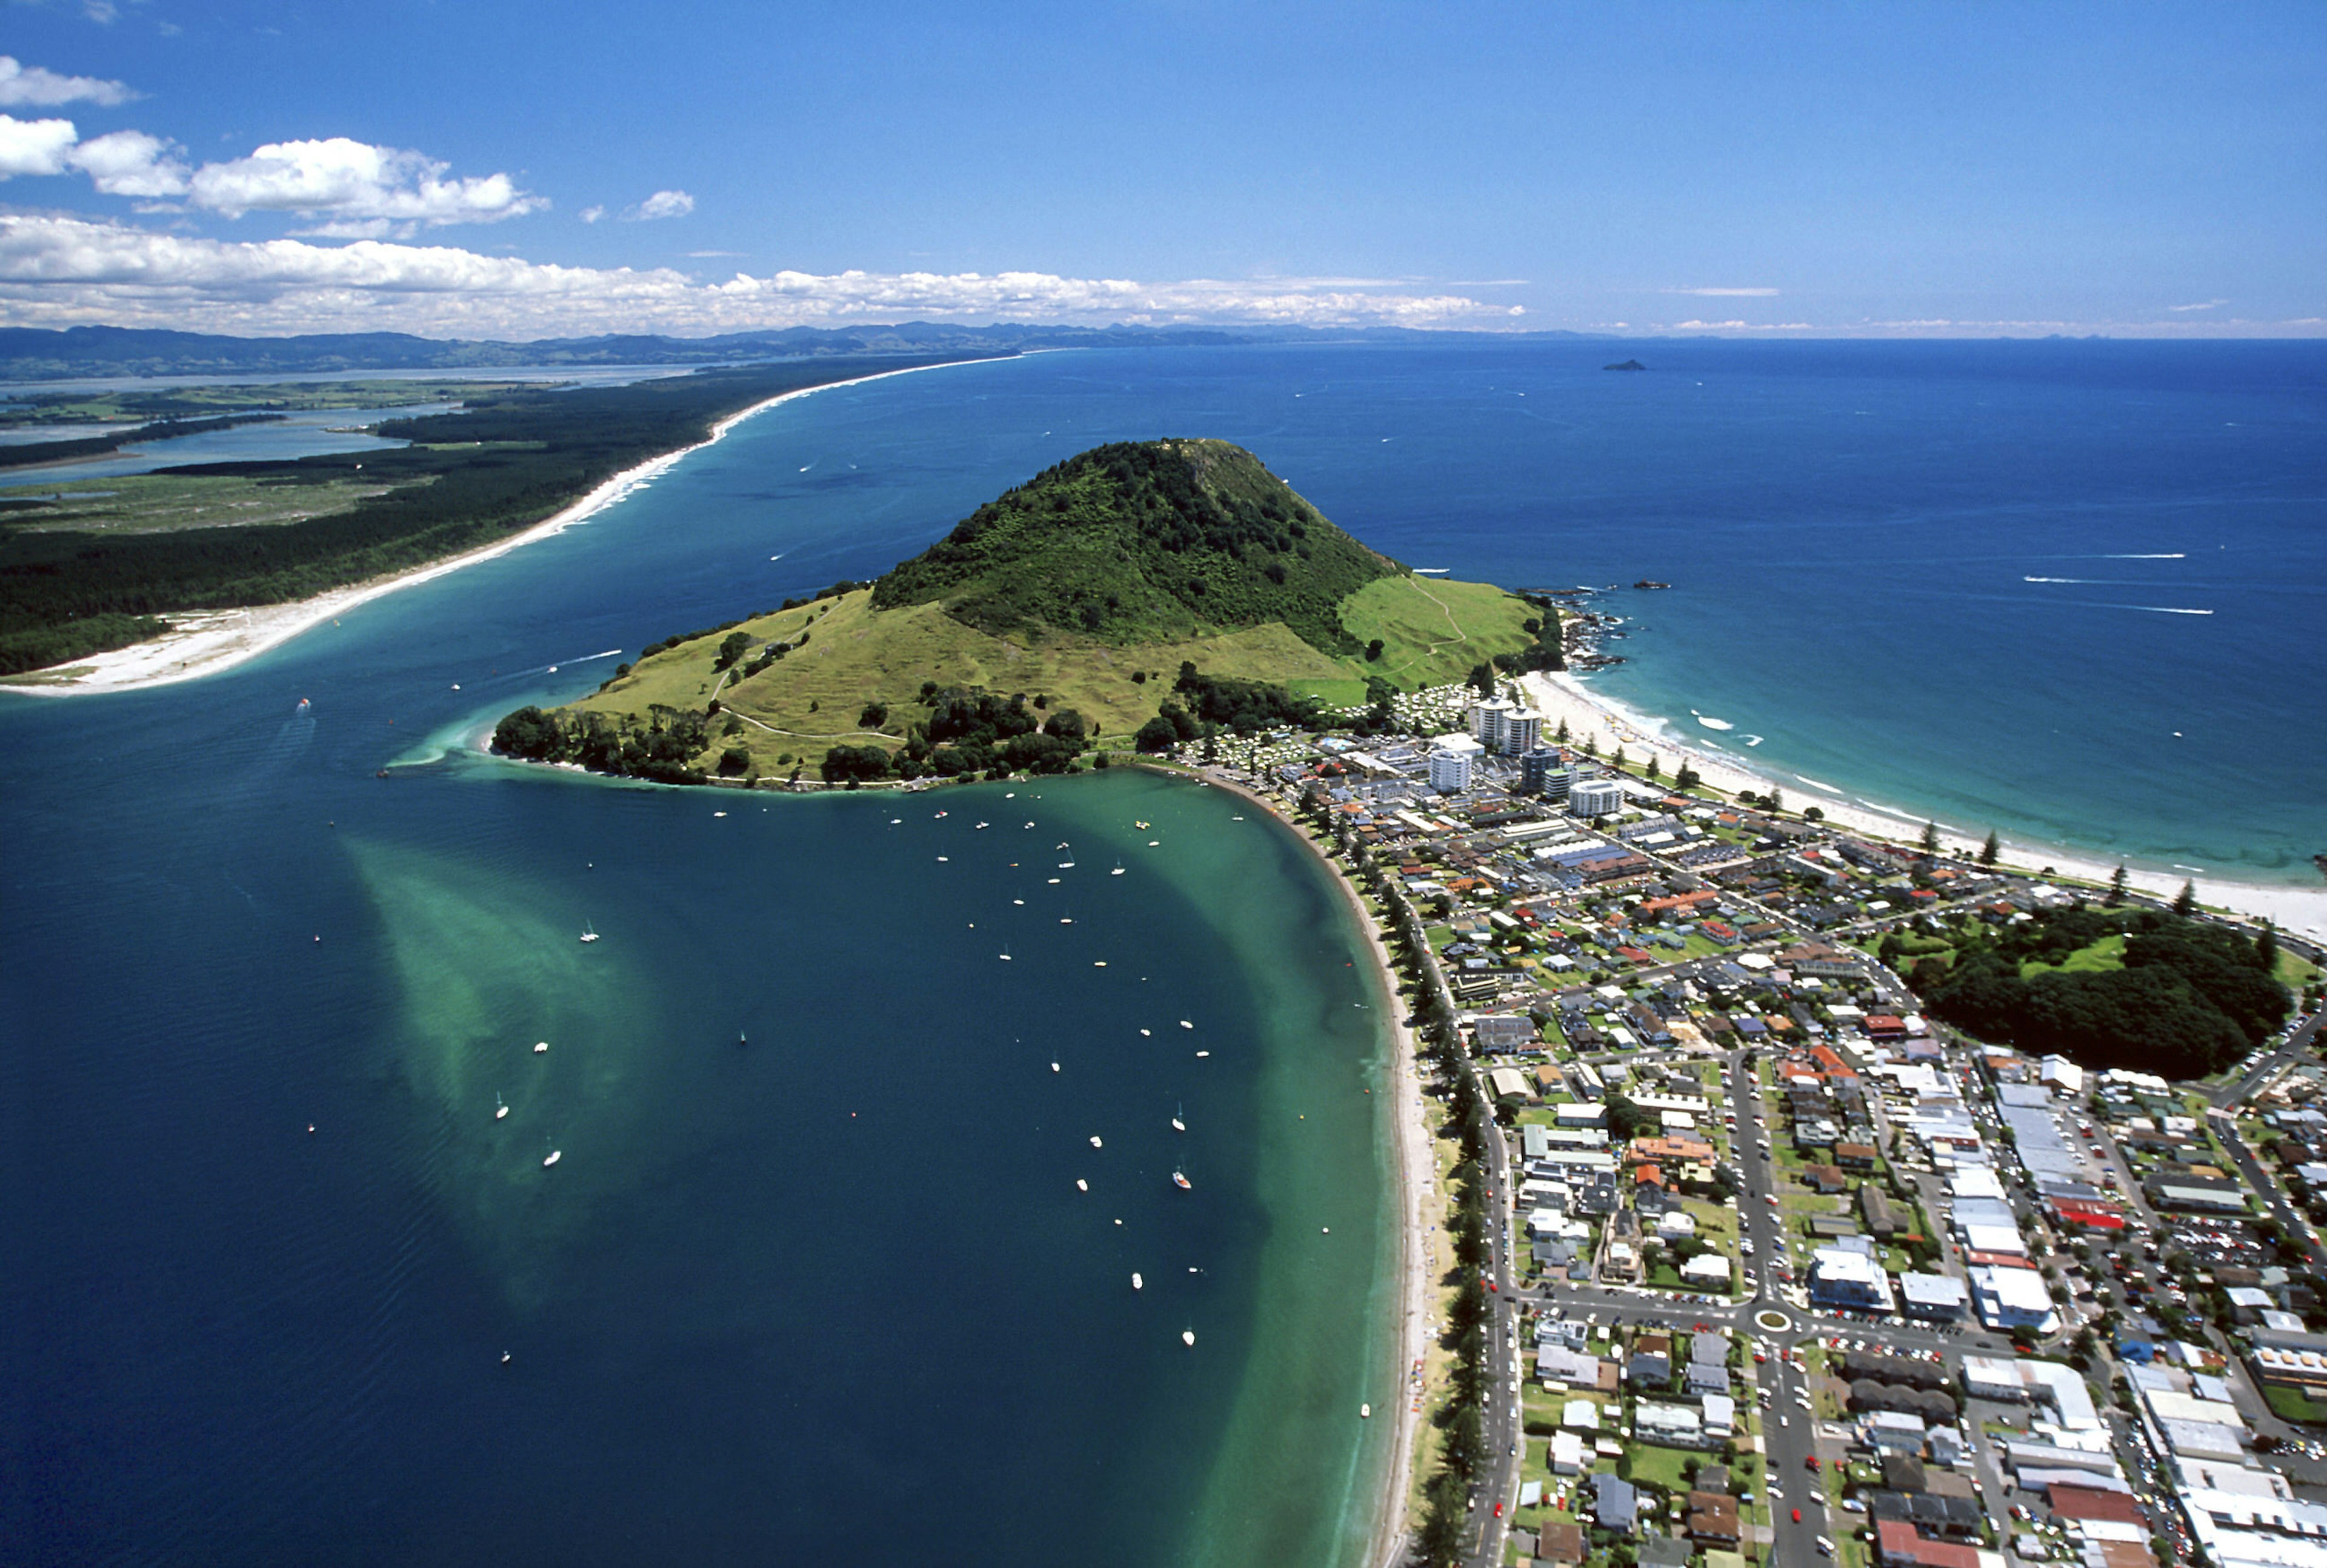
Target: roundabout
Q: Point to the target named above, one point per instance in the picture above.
(1771, 1321)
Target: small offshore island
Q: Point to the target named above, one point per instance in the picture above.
(1142, 594)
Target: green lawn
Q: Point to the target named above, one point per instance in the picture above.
(1654, 1466)
(2293, 1405)
(2105, 955)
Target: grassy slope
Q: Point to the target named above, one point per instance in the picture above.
(1433, 630)
(856, 654)
(2098, 958)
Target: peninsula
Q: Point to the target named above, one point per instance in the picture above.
(1144, 594)
(73, 584)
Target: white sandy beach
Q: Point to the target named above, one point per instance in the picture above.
(1589, 715)
(203, 644)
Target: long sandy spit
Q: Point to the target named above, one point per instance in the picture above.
(205, 644)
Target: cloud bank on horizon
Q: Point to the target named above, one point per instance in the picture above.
(61, 271)
(430, 192)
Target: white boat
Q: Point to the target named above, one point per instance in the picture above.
(1177, 1124)
(1181, 1183)
(554, 1156)
(1365, 1412)
(1137, 1283)
(501, 1108)
(539, 1046)
(589, 931)
(1081, 1185)
(1188, 1338)
(1095, 1143)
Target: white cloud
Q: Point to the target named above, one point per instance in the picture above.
(1725, 293)
(55, 271)
(661, 204)
(352, 185)
(34, 147)
(591, 214)
(130, 164)
(30, 84)
(2202, 305)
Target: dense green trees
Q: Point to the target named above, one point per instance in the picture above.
(663, 749)
(1140, 541)
(468, 480)
(860, 764)
(2192, 997)
(970, 730)
(1243, 707)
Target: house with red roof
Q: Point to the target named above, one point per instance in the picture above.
(1899, 1544)
(2074, 1502)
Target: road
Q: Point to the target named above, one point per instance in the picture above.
(2297, 1048)
(1769, 1322)
(1500, 1421)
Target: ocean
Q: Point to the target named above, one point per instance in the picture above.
(828, 1290)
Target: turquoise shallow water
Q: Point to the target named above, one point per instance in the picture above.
(830, 1292)
(745, 1324)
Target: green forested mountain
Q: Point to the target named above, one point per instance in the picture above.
(1144, 594)
(1145, 542)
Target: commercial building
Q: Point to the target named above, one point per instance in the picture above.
(1540, 773)
(2014, 1298)
(1845, 1277)
(1450, 764)
(1595, 797)
(1936, 1298)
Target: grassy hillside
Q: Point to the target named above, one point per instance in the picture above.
(1075, 591)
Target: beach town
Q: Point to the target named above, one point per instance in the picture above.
(1775, 1268)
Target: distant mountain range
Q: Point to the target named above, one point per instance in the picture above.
(43, 353)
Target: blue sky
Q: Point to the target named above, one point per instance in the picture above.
(1800, 170)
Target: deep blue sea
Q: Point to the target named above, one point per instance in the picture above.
(830, 1293)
